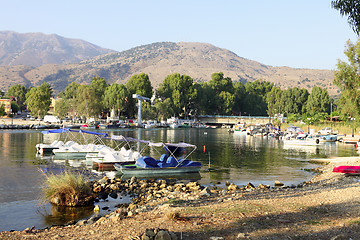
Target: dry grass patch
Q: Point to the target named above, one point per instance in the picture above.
(67, 189)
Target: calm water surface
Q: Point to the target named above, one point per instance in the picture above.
(239, 159)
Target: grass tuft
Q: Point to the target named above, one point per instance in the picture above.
(67, 189)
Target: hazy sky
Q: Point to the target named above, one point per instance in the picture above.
(295, 33)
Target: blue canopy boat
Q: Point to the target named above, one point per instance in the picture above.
(172, 162)
(58, 147)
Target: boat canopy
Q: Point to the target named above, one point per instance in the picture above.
(62, 130)
(72, 135)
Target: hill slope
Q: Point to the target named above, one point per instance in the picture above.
(198, 60)
(36, 49)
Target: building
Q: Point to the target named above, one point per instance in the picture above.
(7, 104)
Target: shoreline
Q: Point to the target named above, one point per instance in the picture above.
(326, 207)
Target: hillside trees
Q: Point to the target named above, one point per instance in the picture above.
(38, 99)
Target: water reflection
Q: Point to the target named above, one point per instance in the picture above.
(237, 158)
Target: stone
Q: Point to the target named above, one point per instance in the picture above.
(113, 195)
(250, 186)
(241, 236)
(150, 233)
(104, 180)
(262, 186)
(173, 236)
(232, 187)
(103, 195)
(162, 235)
(96, 208)
(133, 180)
(113, 187)
(205, 192)
(278, 184)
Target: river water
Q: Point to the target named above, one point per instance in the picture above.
(239, 159)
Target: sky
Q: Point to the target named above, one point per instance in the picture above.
(294, 33)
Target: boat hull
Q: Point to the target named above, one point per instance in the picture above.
(136, 171)
(350, 170)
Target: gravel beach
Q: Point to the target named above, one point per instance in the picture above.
(327, 207)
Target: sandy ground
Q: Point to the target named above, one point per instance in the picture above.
(327, 207)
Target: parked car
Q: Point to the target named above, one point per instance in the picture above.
(327, 130)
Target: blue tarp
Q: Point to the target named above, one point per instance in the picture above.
(62, 130)
(149, 162)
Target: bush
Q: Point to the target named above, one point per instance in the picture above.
(68, 189)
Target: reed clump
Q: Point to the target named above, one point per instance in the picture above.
(68, 189)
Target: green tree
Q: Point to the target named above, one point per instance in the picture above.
(19, 92)
(347, 78)
(14, 107)
(318, 101)
(62, 107)
(116, 97)
(351, 9)
(138, 84)
(164, 109)
(70, 91)
(240, 94)
(38, 99)
(223, 89)
(181, 91)
(69, 94)
(99, 85)
(255, 99)
(274, 100)
(2, 110)
(87, 102)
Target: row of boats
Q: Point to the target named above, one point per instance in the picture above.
(293, 135)
(127, 155)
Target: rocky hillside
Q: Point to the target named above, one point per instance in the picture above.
(36, 49)
(198, 60)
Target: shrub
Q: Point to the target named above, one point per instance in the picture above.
(68, 189)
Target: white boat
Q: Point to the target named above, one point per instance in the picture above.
(77, 151)
(80, 143)
(106, 158)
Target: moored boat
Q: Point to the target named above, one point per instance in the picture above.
(173, 162)
(349, 170)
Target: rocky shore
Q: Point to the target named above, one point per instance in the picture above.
(327, 207)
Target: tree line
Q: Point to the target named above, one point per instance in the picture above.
(178, 95)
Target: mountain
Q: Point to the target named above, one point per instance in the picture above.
(36, 49)
(198, 60)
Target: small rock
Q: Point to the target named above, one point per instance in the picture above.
(232, 187)
(113, 195)
(96, 208)
(150, 233)
(250, 186)
(278, 184)
(205, 192)
(162, 235)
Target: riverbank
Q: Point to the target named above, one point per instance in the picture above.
(327, 207)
